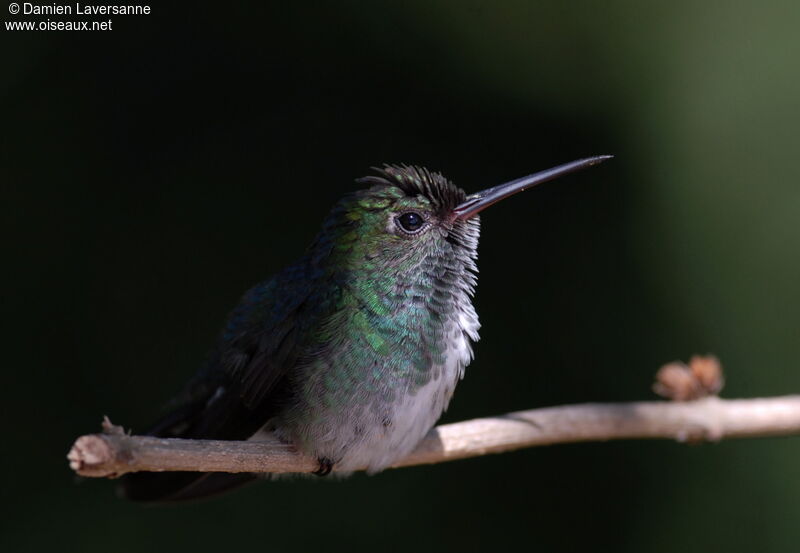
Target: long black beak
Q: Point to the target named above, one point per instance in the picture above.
(481, 200)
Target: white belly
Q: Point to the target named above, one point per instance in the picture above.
(415, 413)
(361, 438)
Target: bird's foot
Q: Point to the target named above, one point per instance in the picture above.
(325, 467)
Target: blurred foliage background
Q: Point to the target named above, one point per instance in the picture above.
(152, 173)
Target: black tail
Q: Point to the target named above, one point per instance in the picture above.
(226, 418)
(168, 487)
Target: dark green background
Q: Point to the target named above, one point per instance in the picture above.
(152, 173)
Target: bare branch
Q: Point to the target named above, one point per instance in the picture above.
(114, 453)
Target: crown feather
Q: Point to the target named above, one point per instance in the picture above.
(415, 181)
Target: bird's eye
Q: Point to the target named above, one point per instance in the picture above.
(411, 222)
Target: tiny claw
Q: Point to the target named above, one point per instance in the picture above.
(325, 467)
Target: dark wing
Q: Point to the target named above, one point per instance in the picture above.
(260, 345)
(243, 384)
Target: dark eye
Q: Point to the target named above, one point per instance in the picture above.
(411, 222)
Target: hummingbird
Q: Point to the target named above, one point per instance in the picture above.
(352, 353)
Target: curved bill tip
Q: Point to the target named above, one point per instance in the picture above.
(479, 201)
